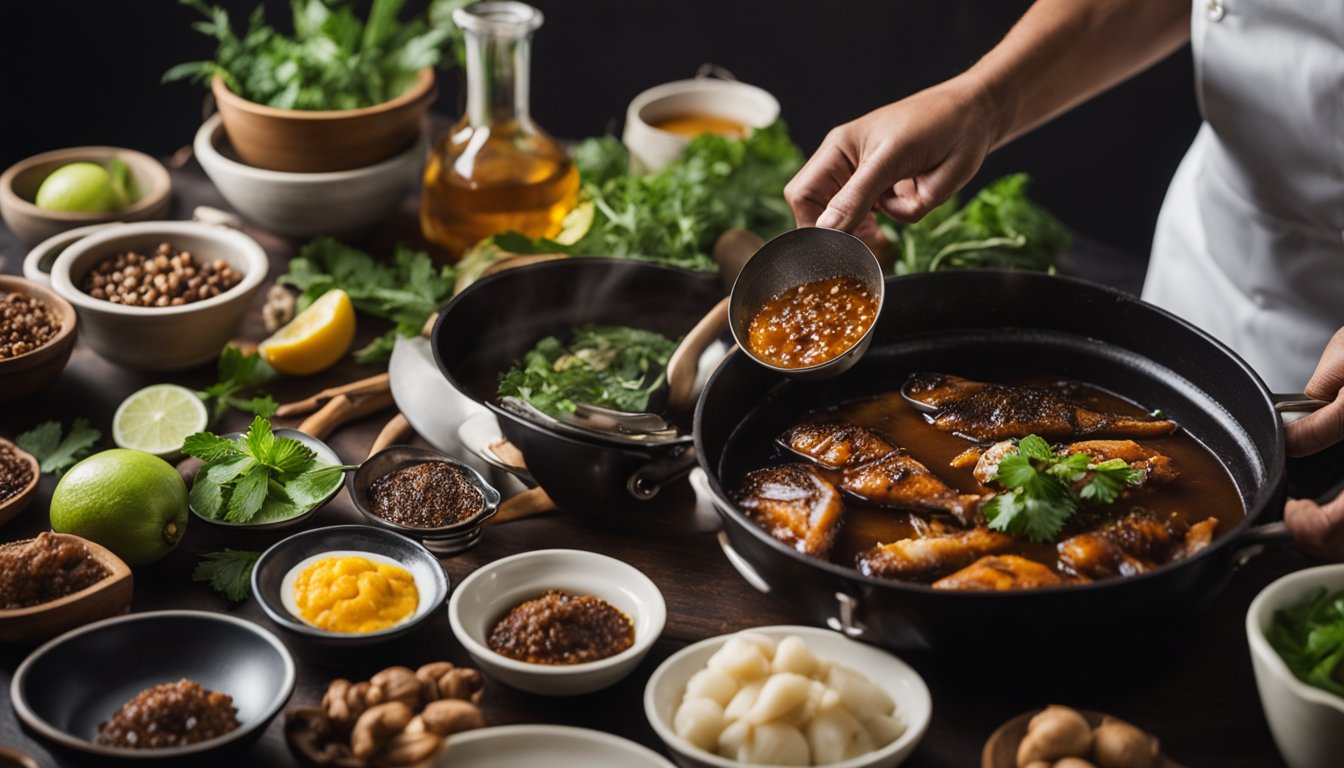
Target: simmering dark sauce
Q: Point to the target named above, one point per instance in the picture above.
(813, 323)
(1204, 488)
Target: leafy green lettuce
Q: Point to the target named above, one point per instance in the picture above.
(1310, 638)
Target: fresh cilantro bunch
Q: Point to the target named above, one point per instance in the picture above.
(607, 365)
(54, 452)
(333, 61)
(228, 572)
(239, 375)
(1310, 638)
(674, 216)
(407, 291)
(1039, 493)
(1000, 228)
(258, 477)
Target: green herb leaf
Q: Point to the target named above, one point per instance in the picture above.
(1108, 479)
(210, 448)
(239, 374)
(228, 572)
(54, 452)
(1310, 637)
(248, 494)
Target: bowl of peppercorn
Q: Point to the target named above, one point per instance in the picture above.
(37, 333)
(160, 295)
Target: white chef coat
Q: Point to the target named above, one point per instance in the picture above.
(1250, 241)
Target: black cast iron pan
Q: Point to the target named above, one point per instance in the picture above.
(491, 324)
(982, 324)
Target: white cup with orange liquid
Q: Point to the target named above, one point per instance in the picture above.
(662, 120)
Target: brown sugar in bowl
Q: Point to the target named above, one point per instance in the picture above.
(25, 374)
(12, 506)
(108, 597)
(319, 141)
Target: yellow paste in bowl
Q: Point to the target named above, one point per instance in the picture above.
(354, 594)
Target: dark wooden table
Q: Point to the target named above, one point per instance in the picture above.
(1200, 698)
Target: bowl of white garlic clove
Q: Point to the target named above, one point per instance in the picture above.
(787, 695)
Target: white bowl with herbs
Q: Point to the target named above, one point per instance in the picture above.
(160, 295)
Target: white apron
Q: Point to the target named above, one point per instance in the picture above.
(1250, 241)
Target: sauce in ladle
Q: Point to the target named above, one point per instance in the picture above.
(813, 323)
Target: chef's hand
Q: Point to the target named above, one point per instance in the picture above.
(902, 159)
(1317, 528)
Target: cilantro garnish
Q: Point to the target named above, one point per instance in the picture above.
(258, 477)
(228, 572)
(54, 452)
(239, 375)
(1042, 491)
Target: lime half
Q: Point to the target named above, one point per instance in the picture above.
(158, 418)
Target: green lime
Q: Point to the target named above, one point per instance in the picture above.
(131, 502)
(158, 418)
(79, 187)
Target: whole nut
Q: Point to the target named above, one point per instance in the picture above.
(408, 749)
(377, 726)
(395, 684)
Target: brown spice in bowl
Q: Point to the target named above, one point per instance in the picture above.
(170, 715)
(168, 278)
(25, 325)
(431, 494)
(560, 628)
(45, 568)
(15, 471)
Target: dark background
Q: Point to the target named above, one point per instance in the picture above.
(78, 72)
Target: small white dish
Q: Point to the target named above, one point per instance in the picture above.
(488, 594)
(1307, 723)
(303, 205)
(914, 706)
(652, 148)
(39, 261)
(554, 746)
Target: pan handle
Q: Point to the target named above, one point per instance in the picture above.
(649, 479)
(1293, 406)
(1258, 539)
(740, 564)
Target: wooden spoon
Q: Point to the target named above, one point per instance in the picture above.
(1001, 748)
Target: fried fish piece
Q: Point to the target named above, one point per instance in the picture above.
(985, 411)
(901, 482)
(1156, 467)
(795, 504)
(930, 557)
(1002, 572)
(1138, 542)
(836, 445)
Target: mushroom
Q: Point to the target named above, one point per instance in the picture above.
(1055, 732)
(1117, 744)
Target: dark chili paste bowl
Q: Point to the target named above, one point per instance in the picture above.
(495, 589)
(65, 688)
(447, 538)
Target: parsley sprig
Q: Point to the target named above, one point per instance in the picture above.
(257, 477)
(1309, 635)
(1042, 491)
(229, 572)
(57, 453)
(239, 377)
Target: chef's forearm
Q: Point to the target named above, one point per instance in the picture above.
(1063, 52)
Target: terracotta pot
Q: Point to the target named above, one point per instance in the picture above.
(318, 141)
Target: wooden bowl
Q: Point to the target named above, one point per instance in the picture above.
(1001, 748)
(108, 597)
(318, 141)
(19, 184)
(15, 504)
(31, 371)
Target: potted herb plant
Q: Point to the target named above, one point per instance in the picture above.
(340, 93)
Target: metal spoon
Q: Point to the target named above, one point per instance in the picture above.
(795, 258)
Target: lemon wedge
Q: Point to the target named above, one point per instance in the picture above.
(316, 339)
(157, 419)
(576, 223)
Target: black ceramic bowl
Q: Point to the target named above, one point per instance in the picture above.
(72, 683)
(443, 539)
(268, 577)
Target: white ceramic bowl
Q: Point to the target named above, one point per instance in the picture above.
(489, 593)
(37, 264)
(652, 148)
(914, 706)
(160, 338)
(554, 746)
(1307, 722)
(302, 205)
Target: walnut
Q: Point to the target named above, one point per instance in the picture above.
(344, 702)
(442, 680)
(309, 733)
(449, 716)
(407, 749)
(395, 684)
(377, 726)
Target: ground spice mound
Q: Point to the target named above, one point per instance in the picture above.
(15, 472)
(560, 628)
(428, 495)
(170, 715)
(39, 570)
